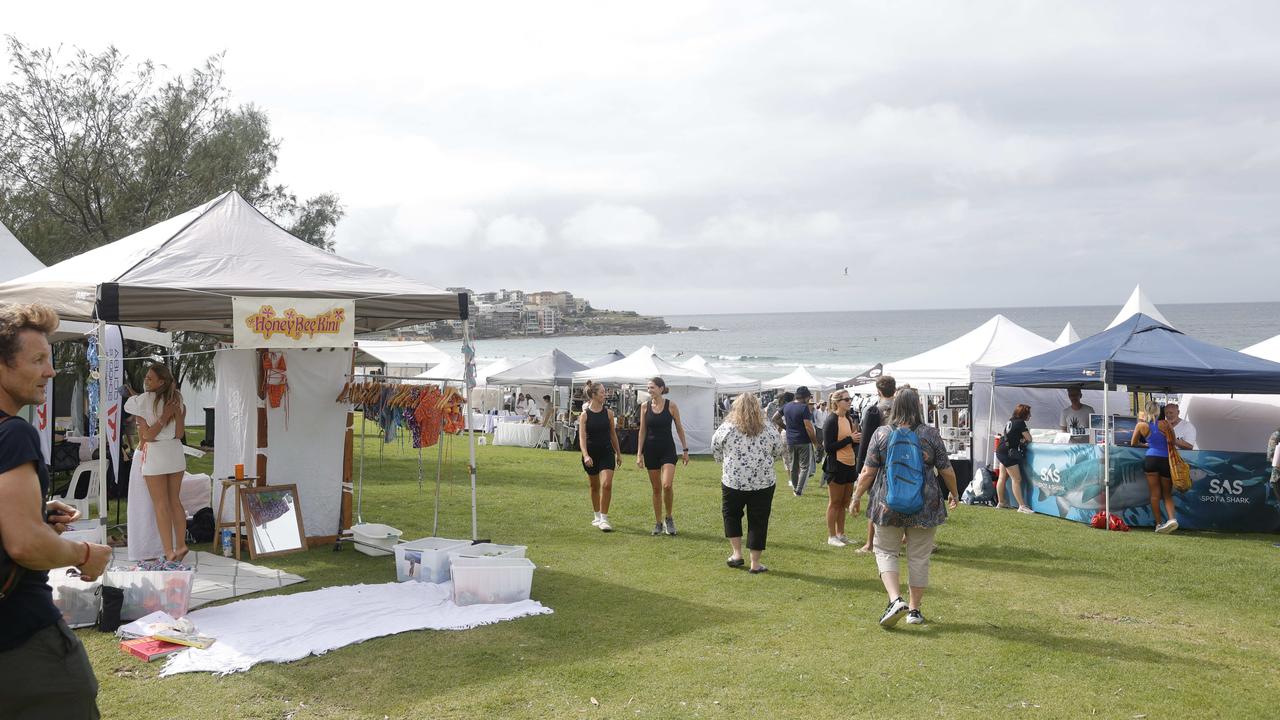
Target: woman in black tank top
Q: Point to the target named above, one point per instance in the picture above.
(598, 441)
(657, 452)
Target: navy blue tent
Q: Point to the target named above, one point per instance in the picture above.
(1145, 355)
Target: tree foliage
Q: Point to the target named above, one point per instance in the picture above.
(94, 147)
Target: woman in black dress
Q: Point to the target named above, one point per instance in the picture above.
(598, 440)
(657, 452)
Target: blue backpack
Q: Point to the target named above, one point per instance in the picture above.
(904, 473)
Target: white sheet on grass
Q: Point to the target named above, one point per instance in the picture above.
(291, 627)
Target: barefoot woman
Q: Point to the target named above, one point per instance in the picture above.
(159, 412)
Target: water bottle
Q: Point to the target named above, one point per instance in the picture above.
(226, 542)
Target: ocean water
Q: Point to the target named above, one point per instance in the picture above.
(844, 343)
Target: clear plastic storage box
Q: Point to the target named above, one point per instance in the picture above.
(491, 580)
(146, 591)
(490, 550)
(426, 559)
(77, 600)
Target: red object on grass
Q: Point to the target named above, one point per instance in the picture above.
(1101, 520)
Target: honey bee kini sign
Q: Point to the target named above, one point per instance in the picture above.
(292, 322)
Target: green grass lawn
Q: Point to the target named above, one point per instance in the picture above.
(1029, 617)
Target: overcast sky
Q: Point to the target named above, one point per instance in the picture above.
(734, 157)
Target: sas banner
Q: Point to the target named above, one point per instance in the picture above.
(1229, 490)
(259, 322)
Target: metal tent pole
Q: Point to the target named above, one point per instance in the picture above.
(104, 449)
(1106, 442)
(990, 441)
(471, 432)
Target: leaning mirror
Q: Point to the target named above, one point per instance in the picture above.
(274, 518)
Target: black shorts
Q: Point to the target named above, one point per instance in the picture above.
(601, 460)
(1006, 461)
(838, 474)
(1158, 465)
(656, 457)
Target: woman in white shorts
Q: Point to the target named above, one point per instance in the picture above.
(159, 414)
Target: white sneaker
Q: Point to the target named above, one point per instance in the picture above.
(844, 539)
(604, 523)
(914, 617)
(1167, 527)
(835, 541)
(595, 520)
(1026, 510)
(893, 613)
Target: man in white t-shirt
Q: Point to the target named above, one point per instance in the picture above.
(1184, 433)
(1075, 419)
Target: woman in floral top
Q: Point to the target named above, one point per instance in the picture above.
(891, 526)
(748, 451)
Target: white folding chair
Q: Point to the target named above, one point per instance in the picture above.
(86, 473)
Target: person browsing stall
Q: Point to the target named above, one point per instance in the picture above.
(44, 668)
(1010, 454)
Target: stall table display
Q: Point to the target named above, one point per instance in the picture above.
(521, 434)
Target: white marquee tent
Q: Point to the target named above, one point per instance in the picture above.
(1236, 423)
(970, 359)
(693, 391)
(18, 260)
(1067, 336)
(800, 376)
(726, 382)
(1138, 302)
(182, 273)
(400, 358)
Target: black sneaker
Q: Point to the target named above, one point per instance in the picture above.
(914, 617)
(893, 613)
(657, 529)
(671, 526)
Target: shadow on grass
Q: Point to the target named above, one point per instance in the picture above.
(1013, 566)
(594, 621)
(846, 583)
(1039, 638)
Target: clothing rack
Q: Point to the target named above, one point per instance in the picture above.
(373, 384)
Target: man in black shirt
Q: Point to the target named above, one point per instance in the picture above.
(44, 670)
(874, 417)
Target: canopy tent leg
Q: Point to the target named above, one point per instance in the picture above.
(1106, 444)
(104, 449)
(468, 374)
(435, 519)
(990, 440)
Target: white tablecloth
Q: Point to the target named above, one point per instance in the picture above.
(487, 422)
(520, 434)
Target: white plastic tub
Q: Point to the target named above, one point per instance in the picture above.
(146, 591)
(489, 550)
(491, 580)
(426, 559)
(375, 538)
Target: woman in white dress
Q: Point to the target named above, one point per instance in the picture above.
(159, 412)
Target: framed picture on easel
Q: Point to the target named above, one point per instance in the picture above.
(273, 518)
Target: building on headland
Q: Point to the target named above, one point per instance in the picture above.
(515, 313)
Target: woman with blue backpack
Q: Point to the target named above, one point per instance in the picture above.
(904, 458)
